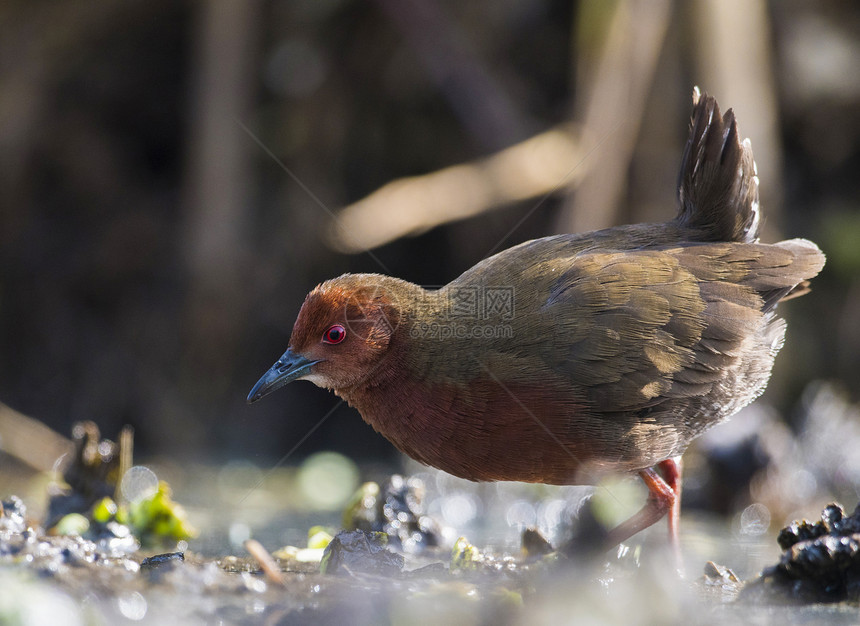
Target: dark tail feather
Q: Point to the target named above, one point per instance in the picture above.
(717, 184)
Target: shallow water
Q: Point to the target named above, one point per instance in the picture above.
(231, 503)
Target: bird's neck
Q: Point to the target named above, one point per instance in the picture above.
(411, 394)
(403, 406)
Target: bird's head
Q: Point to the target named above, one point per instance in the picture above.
(343, 332)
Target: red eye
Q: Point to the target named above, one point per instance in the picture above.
(335, 334)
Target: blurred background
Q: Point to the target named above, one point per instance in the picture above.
(176, 176)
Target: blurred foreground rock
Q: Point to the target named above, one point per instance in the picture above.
(820, 562)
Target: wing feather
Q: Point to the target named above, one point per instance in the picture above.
(647, 326)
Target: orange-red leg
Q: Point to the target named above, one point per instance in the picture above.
(664, 496)
(671, 470)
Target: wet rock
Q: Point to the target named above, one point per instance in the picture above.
(161, 560)
(467, 560)
(719, 574)
(719, 583)
(158, 566)
(364, 509)
(820, 562)
(398, 510)
(14, 534)
(534, 544)
(465, 556)
(69, 558)
(799, 530)
(360, 551)
(13, 515)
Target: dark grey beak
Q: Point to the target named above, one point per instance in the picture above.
(288, 368)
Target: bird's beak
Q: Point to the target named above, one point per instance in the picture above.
(288, 368)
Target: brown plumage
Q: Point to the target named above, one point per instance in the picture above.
(569, 356)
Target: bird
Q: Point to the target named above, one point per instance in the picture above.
(569, 357)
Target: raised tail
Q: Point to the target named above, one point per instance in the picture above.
(718, 183)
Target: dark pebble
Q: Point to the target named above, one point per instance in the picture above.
(360, 551)
(158, 561)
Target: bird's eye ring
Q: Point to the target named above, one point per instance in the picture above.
(335, 334)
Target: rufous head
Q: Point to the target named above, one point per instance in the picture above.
(340, 336)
